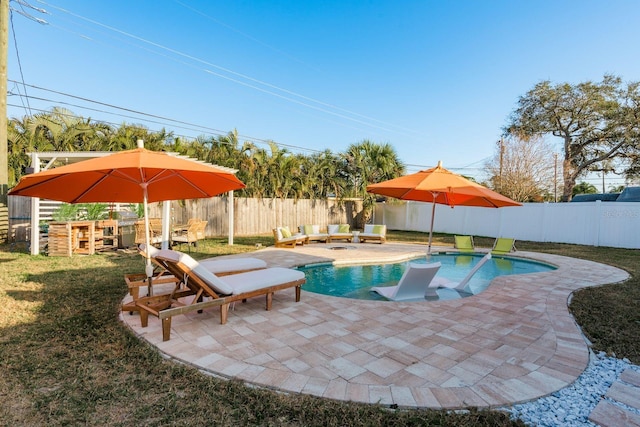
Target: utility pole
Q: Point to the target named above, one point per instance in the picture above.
(501, 159)
(4, 162)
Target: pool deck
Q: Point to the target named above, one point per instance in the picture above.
(514, 342)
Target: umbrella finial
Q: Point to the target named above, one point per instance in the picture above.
(140, 143)
(439, 163)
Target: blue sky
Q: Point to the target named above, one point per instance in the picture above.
(437, 80)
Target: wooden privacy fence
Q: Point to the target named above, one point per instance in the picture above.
(251, 216)
(260, 216)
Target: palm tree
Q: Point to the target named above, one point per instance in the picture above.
(369, 163)
(324, 174)
(63, 130)
(20, 141)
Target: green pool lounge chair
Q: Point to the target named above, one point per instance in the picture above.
(464, 243)
(503, 245)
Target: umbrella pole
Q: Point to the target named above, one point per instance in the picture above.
(433, 213)
(148, 267)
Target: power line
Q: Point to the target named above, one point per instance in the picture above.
(303, 100)
(149, 118)
(15, 42)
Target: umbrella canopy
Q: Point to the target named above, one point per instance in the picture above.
(133, 176)
(438, 185)
(127, 176)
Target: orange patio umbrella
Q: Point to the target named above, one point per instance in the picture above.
(133, 176)
(438, 185)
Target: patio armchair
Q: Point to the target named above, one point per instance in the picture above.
(285, 239)
(312, 231)
(201, 231)
(373, 232)
(155, 231)
(201, 289)
(183, 227)
(339, 232)
(190, 236)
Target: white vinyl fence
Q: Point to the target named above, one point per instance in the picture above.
(612, 224)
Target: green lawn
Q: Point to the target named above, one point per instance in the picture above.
(65, 359)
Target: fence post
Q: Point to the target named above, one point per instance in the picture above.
(231, 210)
(597, 221)
(35, 211)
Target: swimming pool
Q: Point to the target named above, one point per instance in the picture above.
(355, 281)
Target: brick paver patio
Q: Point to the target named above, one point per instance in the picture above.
(514, 342)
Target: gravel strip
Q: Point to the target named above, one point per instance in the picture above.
(572, 405)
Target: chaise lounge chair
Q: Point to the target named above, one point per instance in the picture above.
(199, 283)
(283, 238)
(413, 283)
(464, 243)
(503, 246)
(218, 266)
(442, 282)
(373, 232)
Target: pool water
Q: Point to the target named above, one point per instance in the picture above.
(356, 281)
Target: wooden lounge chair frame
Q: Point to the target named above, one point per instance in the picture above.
(288, 242)
(168, 305)
(370, 235)
(161, 276)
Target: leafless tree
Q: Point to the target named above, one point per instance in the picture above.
(522, 169)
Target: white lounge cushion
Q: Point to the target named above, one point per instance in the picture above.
(317, 236)
(166, 253)
(152, 252)
(312, 228)
(236, 283)
(338, 229)
(215, 265)
(226, 265)
(291, 239)
(252, 280)
(216, 283)
(370, 230)
(279, 232)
